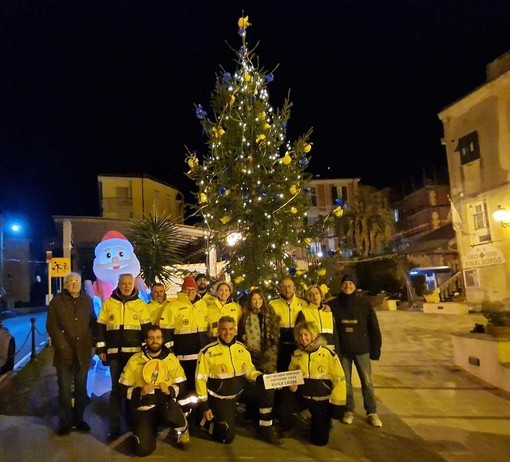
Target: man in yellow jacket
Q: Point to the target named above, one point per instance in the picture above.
(151, 381)
(121, 328)
(287, 308)
(222, 370)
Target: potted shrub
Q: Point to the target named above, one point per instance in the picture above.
(497, 314)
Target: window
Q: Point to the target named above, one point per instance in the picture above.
(469, 148)
(480, 223)
(313, 196)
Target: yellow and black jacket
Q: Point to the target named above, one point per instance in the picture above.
(184, 325)
(132, 381)
(324, 321)
(216, 309)
(122, 325)
(287, 312)
(322, 372)
(222, 370)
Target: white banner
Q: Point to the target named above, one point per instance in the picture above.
(283, 379)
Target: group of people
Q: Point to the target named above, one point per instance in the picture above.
(189, 361)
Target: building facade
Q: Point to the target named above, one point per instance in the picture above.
(135, 196)
(477, 141)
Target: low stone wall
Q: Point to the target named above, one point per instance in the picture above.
(484, 356)
(446, 308)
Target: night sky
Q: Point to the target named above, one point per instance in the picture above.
(86, 86)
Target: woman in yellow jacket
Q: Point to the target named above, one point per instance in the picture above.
(222, 305)
(320, 313)
(323, 387)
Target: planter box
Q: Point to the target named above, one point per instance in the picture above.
(446, 308)
(484, 356)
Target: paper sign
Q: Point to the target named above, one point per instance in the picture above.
(283, 379)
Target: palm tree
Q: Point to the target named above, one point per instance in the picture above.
(159, 246)
(367, 222)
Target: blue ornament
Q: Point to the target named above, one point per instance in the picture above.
(269, 78)
(338, 201)
(263, 192)
(292, 270)
(246, 197)
(303, 161)
(222, 191)
(331, 252)
(200, 113)
(225, 78)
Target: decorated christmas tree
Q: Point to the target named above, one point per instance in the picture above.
(252, 183)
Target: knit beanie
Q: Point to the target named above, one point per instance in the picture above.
(348, 277)
(189, 283)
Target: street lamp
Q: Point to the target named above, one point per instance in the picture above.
(502, 216)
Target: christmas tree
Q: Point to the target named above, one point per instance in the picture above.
(252, 182)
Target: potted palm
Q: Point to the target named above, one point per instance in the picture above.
(497, 314)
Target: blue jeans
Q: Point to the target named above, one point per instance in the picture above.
(364, 368)
(69, 377)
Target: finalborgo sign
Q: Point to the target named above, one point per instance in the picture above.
(483, 255)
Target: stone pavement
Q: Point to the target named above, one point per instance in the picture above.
(431, 411)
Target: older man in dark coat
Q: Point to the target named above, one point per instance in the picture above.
(70, 324)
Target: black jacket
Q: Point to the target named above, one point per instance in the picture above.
(70, 324)
(357, 326)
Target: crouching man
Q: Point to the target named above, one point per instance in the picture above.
(151, 381)
(222, 370)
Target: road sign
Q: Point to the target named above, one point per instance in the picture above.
(60, 267)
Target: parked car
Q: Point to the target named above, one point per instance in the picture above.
(7, 350)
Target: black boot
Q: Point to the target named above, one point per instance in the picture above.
(269, 435)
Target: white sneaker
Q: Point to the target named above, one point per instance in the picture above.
(374, 420)
(348, 418)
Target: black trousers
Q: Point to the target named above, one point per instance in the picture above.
(223, 426)
(166, 413)
(321, 412)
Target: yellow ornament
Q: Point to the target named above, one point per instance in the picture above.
(267, 126)
(243, 23)
(232, 99)
(192, 161)
(338, 211)
(293, 189)
(260, 138)
(286, 160)
(308, 241)
(324, 289)
(202, 198)
(321, 272)
(308, 147)
(218, 132)
(225, 219)
(238, 280)
(262, 115)
(247, 77)
(293, 210)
